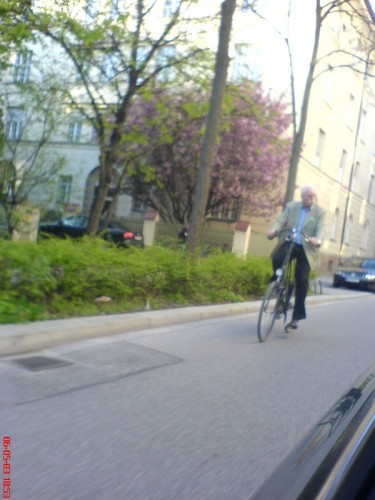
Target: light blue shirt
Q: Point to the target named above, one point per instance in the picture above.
(301, 220)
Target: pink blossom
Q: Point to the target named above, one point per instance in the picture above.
(251, 161)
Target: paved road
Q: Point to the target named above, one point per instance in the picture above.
(192, 411)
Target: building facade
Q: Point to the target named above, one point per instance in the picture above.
(339, 142)
(338, 155)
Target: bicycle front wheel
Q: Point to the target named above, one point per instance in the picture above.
(268, 311)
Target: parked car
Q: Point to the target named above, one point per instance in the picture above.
(75, 226)
(356, 272)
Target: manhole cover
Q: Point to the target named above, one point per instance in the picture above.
(36, 363)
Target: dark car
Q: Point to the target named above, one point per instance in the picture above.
(358, 272)
(75, 227)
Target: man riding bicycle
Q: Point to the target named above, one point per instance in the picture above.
(305, 217)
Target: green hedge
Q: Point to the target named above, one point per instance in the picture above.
(63, 278)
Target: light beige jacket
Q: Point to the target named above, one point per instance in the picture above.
(312, 227)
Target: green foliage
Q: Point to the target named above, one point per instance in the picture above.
(63, 278)
(14, 31)
(2, 139)
(223, 277)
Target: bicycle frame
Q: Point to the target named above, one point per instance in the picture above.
(277, 300)
(285, 277)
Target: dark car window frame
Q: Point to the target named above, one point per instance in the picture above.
(368, 263)
(75, 221)
(353, 262)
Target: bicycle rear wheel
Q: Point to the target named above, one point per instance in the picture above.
(268, 311)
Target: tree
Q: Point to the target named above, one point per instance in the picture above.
(2, 137)
(13, 29)
(12, 35)
(211, 132)
(26, 164)
(109, 61)
(250, 161)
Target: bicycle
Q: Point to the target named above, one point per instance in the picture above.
(278, 300)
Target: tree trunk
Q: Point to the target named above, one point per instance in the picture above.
(300, 133)
(105, 179)
(209, 145)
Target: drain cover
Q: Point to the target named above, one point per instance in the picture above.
(37, 363)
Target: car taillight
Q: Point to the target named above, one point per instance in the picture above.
(128, 235)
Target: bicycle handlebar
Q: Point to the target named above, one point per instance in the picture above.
(293, 234)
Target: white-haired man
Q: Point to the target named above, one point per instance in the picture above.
(308, 217)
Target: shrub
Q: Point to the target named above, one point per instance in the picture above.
(62, 278)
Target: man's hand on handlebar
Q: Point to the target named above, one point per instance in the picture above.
(271, 235)
(315, 242)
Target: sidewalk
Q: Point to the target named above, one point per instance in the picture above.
(21, 338)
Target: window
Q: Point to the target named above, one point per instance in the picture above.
(92, 9)
(165, 56)
(246, 4)
(365, 233)
(8, 178)
(170, 7)
(246, 62)
(64, 189)
(139, 206)
(142, 54)
(363, 125)
(63, 3)
(15, 118)
(370, 196)
(94, 136)
(320, 145)
(86, 69)
(350, 111)
(355, 174)
(109, 68)
(227, 211)
(348, 227)
(114, 9)
(74, 131)
(342, 165)
(335, 225)
(22, 67)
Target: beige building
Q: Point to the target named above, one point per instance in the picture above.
(339, 152)
(338, 156)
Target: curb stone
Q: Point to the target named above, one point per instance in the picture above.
(22, 338)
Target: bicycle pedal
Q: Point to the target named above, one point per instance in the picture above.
(292, 325)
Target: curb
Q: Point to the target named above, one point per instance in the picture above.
(18, 339)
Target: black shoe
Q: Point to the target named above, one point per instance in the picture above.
(293, 325)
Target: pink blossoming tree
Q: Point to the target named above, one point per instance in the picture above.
(251, 160)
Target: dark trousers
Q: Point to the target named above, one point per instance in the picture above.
(302, 276)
